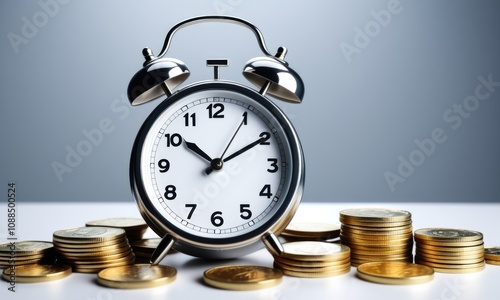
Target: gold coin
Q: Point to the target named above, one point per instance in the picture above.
(447, 235)
(88, 234)
(95, 251)
(146, 245)
(367, 238)
(314, 274)
(458, 271)
(373, 225)
(362, 242)
(282, 266)
(493, 262)
(426, 247)
(449, 261)
(316, 230)
(25, 248)
(96, 261)
(24, 257)
(376, 214)
(102, 266)
(492, 253)
(371, 232)
(449, 266)
(459, 251)
(395, 272)
(450, 257)
(449, 244)
(356, 262)
(92, 256)
(315, 250)
(242, 277)
(382, 230)
(38, 272)
(136, 276)
(312, 263)
(380, 248)
(74, 246)
(125, 223)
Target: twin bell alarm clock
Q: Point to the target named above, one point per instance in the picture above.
(217, 169)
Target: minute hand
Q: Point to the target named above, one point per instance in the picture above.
(246, 148)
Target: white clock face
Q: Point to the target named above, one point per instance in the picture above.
(216, 164)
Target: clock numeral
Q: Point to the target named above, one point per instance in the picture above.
(274, 165)
(246, 213)
(188, 117)
(245, 117)
(216, 219)
(164, 165)
(266, 136)
(193, 207)
(215, 110)
(266, 191)
(170, 193)
(174, 139)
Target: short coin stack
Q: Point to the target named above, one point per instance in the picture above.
(143, 249)
(377, 234)
(450, 250)
(25, 252)
(308, 231)
(313, 259)
(91, 249)
(492, 255)
(134, 227)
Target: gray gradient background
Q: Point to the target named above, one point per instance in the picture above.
(355, 122)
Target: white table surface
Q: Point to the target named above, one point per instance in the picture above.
(39, 221)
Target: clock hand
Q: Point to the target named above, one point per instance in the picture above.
(216, 164)
(246, 148)
(193, 147)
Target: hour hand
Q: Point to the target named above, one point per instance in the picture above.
(193, 147)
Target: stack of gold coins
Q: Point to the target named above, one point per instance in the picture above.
(143, 249)
(134, 227)
(313, 259)
(450, 250)
(492, 255)
(26, 252)
(377, 234)
(310, 231)
(91, 249)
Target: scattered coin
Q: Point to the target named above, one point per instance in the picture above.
(136, 276)
(242, 278)
(38, 272)
(395, 272)
(450, 250)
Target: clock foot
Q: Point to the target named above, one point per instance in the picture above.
(272, 243)
(166, 243)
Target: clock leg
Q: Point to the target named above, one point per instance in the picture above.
(272, 243)
(166, 243)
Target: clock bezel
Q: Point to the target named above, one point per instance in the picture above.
(202, 246)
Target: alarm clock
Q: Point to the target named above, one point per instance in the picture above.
(217, 169)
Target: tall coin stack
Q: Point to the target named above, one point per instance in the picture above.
(377, 234)
(450, 250)
(91, 249)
